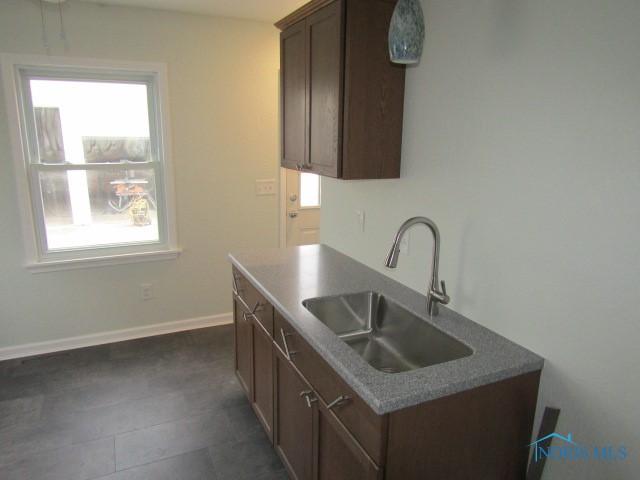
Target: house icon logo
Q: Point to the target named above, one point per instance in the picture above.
(566, 449)
(540, 451)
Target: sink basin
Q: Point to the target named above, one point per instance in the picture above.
(389, 337)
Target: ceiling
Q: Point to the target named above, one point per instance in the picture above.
(265, 10)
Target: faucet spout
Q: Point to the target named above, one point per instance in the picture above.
(434, 294)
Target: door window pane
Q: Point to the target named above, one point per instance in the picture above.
(309, 190)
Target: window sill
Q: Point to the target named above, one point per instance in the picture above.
(105, 261)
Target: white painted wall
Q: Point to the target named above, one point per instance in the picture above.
(522, 141)
(223, 77)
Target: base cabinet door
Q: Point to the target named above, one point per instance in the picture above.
(337, 454)
(293, 420)
(244, 347)
(263, 377)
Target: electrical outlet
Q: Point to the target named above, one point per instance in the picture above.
(146, 291)
(266, 187)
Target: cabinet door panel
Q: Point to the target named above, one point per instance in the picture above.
(294, 421)
(324, 84)
(243, 343)
(263, 377)
(293, 80)
(365, 425)
(338, 455)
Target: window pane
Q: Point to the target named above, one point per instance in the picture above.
(90, 122)
(97, 208)
(309, 190)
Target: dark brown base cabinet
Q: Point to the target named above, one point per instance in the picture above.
(479, 433)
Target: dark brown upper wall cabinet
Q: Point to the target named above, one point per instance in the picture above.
(342, 99)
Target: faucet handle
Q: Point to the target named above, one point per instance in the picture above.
(442, 296)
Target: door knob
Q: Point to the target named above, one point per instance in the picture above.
(293, 197)
(293, 214)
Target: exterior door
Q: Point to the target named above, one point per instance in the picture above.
(302, 219)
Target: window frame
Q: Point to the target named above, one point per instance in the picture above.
(17, 71)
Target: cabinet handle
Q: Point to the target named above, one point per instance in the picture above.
(309, 397)
(287, 352)
(256, 308)
(341, 400)
(250, 311)
(236, 290)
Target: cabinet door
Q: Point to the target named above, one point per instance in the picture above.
(243, 344)
(293, 420)
(293, 95)
(324, 86)
(263, 377)
(337, 454)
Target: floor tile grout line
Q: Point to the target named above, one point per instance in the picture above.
(160, 460)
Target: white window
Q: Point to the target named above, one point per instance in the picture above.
(309, 190)
(92, 160)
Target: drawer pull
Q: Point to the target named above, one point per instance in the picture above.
(341, 400)
(309, 397)
(287, 352)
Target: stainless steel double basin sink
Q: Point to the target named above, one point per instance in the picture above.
(386, 335)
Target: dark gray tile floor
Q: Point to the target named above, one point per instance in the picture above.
(158, 408)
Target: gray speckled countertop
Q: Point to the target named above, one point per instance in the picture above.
(288, 276)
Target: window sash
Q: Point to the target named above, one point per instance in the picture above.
(26, 74)
(38, 204)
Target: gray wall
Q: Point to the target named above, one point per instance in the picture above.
(223, 77)
(522, 141)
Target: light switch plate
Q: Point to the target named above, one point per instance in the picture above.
(266, 187)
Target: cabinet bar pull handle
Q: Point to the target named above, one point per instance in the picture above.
(342, 399)
(236, 290)
(287, 352)
(309, 397)
(258, 306)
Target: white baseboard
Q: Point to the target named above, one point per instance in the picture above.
(29, 349)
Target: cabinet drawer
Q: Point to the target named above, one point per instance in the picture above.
(252, 301)
(364, 424)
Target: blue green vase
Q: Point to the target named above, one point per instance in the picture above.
(406, 33)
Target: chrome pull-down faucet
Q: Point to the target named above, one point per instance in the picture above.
(434, 296)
